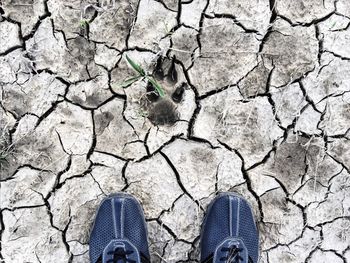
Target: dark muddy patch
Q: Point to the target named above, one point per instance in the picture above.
(163, 110)
(102, 121)
(163, 113)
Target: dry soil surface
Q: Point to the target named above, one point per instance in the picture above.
(257, 101)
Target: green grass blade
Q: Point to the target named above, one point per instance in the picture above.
(156, 86)
(84, 23)
(129, 81)
(135, 66)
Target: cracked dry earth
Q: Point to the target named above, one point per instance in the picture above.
(257, 102)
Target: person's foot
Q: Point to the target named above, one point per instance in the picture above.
(119, 233)
(229, 232)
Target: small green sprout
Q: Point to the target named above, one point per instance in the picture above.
(166, 28)
(141, 75)
(84, 23)
(333, 25)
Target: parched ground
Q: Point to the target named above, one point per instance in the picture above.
(257, 101)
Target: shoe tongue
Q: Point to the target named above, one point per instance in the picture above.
(122, 246)
(222, 252)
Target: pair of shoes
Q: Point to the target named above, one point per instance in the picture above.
(229, 233)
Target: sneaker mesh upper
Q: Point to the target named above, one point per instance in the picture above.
(216, 226)
(102, 232)
(135, 228)
(129, 224)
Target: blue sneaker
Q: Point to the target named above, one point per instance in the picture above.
(119, 233)
(229, 233)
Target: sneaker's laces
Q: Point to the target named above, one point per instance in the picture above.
(120, 254)
(233, 255)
